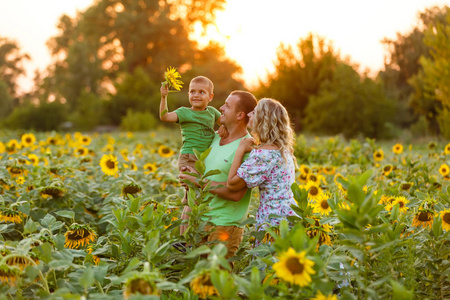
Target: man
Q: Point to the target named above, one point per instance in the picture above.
(228, 209)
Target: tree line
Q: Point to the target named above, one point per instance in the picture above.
(108, 63)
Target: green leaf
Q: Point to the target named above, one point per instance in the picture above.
(65, 214)
(87, 279)
(205, 154)
(437, 227)
(30, 227)
(133, 264)
(200, 166)
(199, 251)
(400, 292)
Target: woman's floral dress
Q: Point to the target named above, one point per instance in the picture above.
(273, 175)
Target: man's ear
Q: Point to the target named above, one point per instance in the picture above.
(241, 115)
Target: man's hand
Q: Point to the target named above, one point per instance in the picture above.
(188, 177)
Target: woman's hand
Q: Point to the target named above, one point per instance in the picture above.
(246, 144)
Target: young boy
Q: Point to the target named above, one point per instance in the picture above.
(197, 123)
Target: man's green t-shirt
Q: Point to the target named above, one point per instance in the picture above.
(197, 128)
(225, 212)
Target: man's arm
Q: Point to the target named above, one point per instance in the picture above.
(164, 114)
(222, 192)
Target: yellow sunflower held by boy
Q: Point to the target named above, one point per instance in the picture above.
(171, 76)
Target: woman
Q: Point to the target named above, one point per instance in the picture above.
(271, 164)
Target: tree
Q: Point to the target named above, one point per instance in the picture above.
(349, 104)
(11, 60)
(299, 73)
(113, 37)
(432, 83)
(402, 63)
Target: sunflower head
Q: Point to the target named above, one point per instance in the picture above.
(171, 78)
(131, 188)
(447, 149)
(294, 267)
(202, 285)
(17, 171)
(397, 148)
(150, 168)
(165, 151)
(423, 218)
(387, 169)
(28, 139)
(378, 155)
(109, 164)
(140, 284)
(445, 217)
(56, 189)
(9, 215)
(79, 235)
(444, 170)
(9, 274)
(321, 206)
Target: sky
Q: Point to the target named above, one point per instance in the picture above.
(250, 30)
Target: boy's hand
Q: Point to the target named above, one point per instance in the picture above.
(164, 90)
(222, 131)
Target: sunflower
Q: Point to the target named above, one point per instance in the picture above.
(132, 166)
(131, 188)
(28, 139)
(294, 267)
(109, 164)
(202, 285)
(80, 151)
(54, 190)
(446, 149)
(320, 296)
(322, 205)
(2, 147)
(79, 235)
(445, 216)
(314, 191)
(85, 140)
(338, 184)
(303, 178)
(165, 151)
(140, 284)
(444, 170)
(52, 140)
(17, 171)
(387, 169)
(424, 217)
(20, 180)
(315, 178)
(378, 155)
(9, 275)
(9, 215)
(431, 145)
(12, 146)
(18, 261)
(397, 148)
(405, 186)
(322, 230)
(305, 169)
(149, 168)
(171, 76)
(34, 159)
(401, 201)
(108, 148)
(124, 153)
(329, 170)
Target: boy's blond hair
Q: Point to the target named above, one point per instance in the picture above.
(205, 80)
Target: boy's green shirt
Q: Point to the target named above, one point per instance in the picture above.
(197, 128)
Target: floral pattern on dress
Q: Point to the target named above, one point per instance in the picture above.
(273, 175)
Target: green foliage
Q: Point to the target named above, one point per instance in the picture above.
(299, 74)
(350, 105)
(45, 117)
(138, 121)
(89, 113)
(136, 92)
(11, 68)
(6, 103)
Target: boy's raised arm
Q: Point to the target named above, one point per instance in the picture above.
(164, 114)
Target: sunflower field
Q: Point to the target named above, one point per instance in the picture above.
(96, 216)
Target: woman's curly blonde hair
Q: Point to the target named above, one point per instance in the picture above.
(272, 125)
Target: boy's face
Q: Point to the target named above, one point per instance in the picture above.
(199, 95)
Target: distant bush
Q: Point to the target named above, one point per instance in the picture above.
(138, 121)
(45, 117)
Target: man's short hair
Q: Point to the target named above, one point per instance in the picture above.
(247, 102)
(205, 80)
